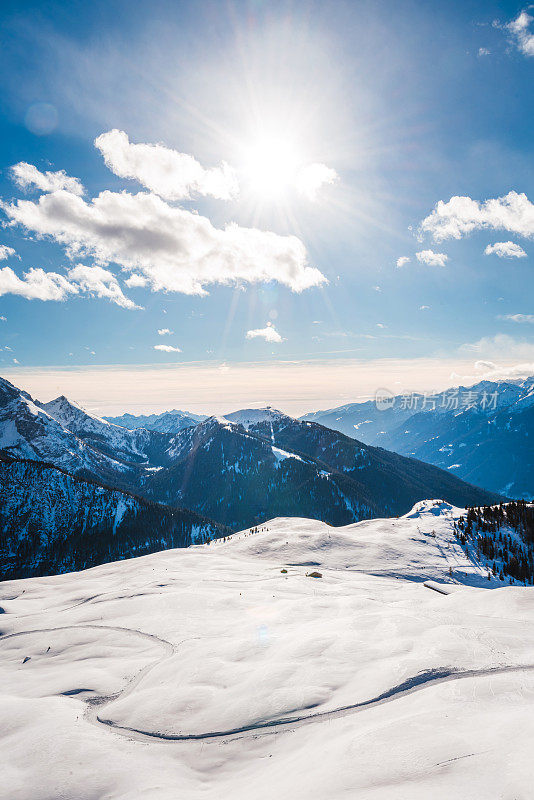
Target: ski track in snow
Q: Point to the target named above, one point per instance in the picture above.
(419, 682)
(416, 683)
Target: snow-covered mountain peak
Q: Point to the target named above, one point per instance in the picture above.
(166, 422)
(10, 392)
(434, 507)
(246, 418)
(68, 411)
(62, 433)
(7, 388)
(216, 419)
(255, 416)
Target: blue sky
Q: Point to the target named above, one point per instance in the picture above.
(401, 104)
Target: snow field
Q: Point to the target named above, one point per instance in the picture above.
(383, 688)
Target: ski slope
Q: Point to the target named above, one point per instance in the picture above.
(211, 673)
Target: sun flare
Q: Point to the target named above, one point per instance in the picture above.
(271, 166)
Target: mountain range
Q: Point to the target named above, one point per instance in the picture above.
(257, 464)
(483, 434)
(78, 489)
(238, 470)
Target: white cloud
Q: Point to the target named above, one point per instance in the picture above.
(500, 346)
(517, 317)
(3, 319)
(424, 308)
(100, 282)
(461, 215)
(174, 249)
(6, 252)
(167, 348)
(505, 250)
(165, 332)
(310, 179)
(26, 175)
(402, 261)
(269, 333)
(36, 284)
(166, 172)
(431, 258)
(485, 365)
(136, 281)
(483, 51)
(493, 372)
(520, 31)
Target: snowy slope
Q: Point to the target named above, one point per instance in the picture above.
(210, 673)
(418, 546)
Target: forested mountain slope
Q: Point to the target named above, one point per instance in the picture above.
(52, 522)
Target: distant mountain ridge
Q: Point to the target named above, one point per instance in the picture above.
(167, 422)
(483, 433)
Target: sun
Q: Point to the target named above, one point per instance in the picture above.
(270, 167)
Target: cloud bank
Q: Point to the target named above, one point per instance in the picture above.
(6, 252)
(172, 248)
(293, 386)
(36, 284)
(518, 317)
(500, 346)
(101, 283)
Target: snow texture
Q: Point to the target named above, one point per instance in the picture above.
(226, 671)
